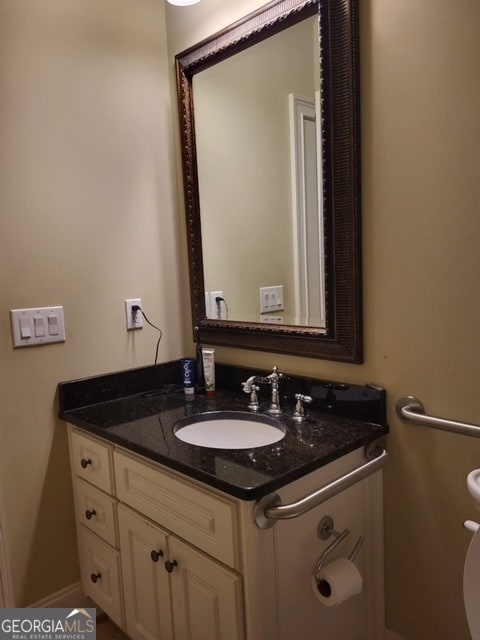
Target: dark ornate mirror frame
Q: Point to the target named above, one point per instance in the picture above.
(338, 33)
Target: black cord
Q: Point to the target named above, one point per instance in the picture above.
(135, 309)
(219, 299)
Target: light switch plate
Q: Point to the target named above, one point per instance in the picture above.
(271, 299)
(36, 326)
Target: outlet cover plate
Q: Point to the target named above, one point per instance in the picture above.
(133, 320)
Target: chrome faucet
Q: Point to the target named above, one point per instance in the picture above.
(251, 387)
(273, 379)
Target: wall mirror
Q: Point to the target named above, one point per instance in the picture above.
(269, 119)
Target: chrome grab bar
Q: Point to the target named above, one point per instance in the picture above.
(411, 409)
(270, 508)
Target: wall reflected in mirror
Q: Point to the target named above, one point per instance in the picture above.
(258, 141)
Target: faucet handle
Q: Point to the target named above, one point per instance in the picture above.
(299, 413)
(251, 388)
(247, 386)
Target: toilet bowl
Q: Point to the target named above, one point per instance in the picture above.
(471, 586)
(471, 571)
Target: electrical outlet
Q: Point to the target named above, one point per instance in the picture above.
(217, 309)
(134, 319)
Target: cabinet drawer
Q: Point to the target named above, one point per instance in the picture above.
(96, 510)
(206, 520)
(101, 574)
(92, 460)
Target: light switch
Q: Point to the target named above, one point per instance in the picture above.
(52, 325)
(33, 327)
(39, 327)
(25, 328)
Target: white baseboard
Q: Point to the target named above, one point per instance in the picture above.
(391, 635)
(70, 597)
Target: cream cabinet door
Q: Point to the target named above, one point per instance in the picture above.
(143, 548)
(207, 601)
(101, 573)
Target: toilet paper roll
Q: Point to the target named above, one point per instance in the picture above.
(338, 581)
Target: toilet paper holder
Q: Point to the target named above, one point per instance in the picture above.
(326, 528)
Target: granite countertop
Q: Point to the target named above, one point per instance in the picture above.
(143, 423)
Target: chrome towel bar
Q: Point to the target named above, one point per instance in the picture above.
(410, 409)
(269, 509)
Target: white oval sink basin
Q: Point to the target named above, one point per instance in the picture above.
(229, 430)
(473, 485)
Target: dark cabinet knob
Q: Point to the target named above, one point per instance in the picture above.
(85, 462)
(89, 514)
(156, 555)
(170, 566)
(95, 576)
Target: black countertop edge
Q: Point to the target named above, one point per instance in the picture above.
(244, 493)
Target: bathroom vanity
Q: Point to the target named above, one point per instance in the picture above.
(168, 540)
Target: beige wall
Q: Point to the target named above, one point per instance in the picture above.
(86, 178)
(88, 217)
(421, 227)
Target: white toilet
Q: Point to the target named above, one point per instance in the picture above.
(471, 572)
(471, 586)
